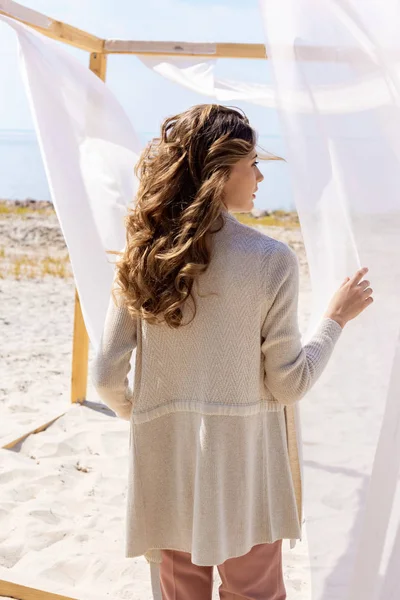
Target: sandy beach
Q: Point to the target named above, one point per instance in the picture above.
(63, 489)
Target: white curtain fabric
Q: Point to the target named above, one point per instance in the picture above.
(89, 149)
(336, 89)
(198, 75)
(24, 13)
(345, 167)
(329, 97)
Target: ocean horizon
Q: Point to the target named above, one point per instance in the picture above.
(22, 174)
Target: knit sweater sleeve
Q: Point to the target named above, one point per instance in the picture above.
(291, 369)
(111, 364)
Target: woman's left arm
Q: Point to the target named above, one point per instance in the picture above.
(111, 365)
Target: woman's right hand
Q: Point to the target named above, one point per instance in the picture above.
(351, 299)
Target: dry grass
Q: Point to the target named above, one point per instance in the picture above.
(57, 267)
(23, 266)
(10, 209)
(32, 265)
(278, 218)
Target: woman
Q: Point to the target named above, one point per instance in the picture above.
(210, 305)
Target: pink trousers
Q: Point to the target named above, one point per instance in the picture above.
(256, 575)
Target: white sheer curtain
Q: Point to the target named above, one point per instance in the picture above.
(199, 76)
(345, 166)
(89, 149)
(336, 88)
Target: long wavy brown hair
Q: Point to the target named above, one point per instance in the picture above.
(179, 204)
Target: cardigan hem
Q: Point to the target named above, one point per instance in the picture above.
(207, 408)
(153, 554)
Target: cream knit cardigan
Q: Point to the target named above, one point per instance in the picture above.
(213, 451)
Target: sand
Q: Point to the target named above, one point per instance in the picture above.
(63, 490)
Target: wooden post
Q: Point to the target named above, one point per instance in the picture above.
(80, 355)
(80, 347)
(98, 64)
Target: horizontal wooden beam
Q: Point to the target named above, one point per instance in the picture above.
(187, 49)
(303, 52)
(10, 441)
(52, 28)
(23, 592)
(231, 50)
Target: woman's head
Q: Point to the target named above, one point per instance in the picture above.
(202, 165)
(201, 150)
(215, 144)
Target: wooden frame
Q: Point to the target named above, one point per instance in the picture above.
(23, 592)
(187, 49)
(73, 36)
(52, 28)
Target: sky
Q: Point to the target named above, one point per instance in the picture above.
(147, 97)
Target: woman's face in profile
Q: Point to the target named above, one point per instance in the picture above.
(242, 184)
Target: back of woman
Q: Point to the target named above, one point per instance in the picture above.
(213, 363)
(210, 305)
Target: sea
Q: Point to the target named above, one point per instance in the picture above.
(22, 174)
